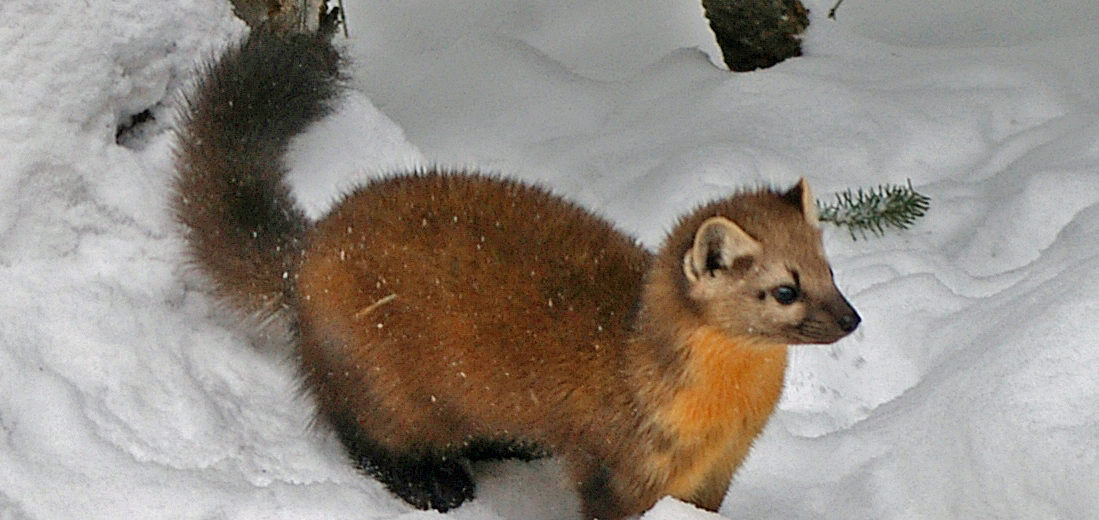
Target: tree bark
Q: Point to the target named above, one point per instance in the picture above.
(756, 34)
(281, 15)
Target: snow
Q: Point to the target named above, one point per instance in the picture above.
(970, 390)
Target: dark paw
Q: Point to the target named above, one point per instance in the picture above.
(442, 486)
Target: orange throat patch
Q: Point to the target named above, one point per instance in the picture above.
(730, 388)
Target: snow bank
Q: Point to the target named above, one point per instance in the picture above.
(120, 388)
(969, 391)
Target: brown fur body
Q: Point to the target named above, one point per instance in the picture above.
(446, 317)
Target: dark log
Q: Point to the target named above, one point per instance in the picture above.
(756, 34)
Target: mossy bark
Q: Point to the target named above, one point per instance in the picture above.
(756, 34)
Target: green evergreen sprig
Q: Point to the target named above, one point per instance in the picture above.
(873, 211)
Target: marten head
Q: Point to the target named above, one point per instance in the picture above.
(753, 265)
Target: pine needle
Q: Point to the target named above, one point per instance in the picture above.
(874, 211)
(832, 11)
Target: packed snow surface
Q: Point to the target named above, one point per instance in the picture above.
(970, 391)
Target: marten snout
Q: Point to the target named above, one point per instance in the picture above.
(847, 318)
(828, 321)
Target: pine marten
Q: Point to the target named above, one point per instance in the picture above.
(443, 317)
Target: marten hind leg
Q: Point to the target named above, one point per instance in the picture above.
(425, 482)
(424, 479)
(480, 450)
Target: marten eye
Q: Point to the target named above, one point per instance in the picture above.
(785, 294)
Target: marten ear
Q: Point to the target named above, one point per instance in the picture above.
(802, 197)
(719, 244)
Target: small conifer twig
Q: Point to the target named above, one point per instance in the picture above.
(873, 211)
(832, 11)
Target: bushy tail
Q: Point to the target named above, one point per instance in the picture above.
(242, 227)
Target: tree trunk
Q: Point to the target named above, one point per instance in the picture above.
(281, 15)
(756, 34)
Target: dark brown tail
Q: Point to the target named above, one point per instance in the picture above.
(242, 227)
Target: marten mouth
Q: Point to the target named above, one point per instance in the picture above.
(821, 332)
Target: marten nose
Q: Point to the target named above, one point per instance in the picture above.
(847, 318)
(849, 321)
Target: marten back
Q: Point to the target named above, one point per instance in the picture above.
(454, 289)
